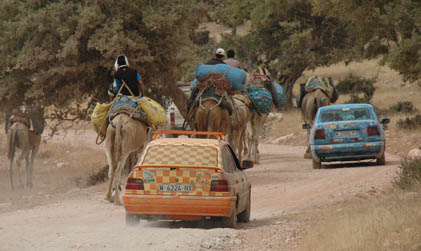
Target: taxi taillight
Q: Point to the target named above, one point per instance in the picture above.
(219, 186)
(134, 184)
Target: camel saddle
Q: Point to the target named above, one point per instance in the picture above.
(127, 105)
(29, 116)
(211, 86)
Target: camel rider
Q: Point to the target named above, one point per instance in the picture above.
(219, 57)
(231, 61)
(130, 76)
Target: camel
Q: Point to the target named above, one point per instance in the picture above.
(210, 117)
(28, 142)
(310, 104)
(253, 131)
(240, 117)
(124, 136)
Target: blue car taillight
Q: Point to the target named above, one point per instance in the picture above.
(320, 134)
(373, 131)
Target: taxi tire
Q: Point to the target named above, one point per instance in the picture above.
(381, 161)
(231, 221)
(132, 219)
(245, 215)
(317, 164)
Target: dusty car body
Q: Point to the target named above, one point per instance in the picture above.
(188, 179)
(347, 132)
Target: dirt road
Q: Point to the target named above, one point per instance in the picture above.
(283, 184)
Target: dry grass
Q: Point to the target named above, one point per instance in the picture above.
(387, 222)
(392, 222)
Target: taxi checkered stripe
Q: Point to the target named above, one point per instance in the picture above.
(201, 143)
(181, 155)
(198, 178)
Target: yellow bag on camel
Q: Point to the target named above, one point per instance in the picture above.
(154, 111)
(99, 118)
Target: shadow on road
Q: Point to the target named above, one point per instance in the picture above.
(212, 224)
(356, 164)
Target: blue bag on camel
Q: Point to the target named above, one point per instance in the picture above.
(282, 95)
(262, 98)
(235, 76)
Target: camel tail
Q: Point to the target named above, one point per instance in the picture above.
(11, 148)
(117, 141)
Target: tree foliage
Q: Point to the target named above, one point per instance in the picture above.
(291, 36)
(59, 54)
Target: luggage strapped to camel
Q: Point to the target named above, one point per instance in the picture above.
(144, 109)
(221, 88)
(315, 82)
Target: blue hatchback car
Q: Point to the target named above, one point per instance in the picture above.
(347, 132)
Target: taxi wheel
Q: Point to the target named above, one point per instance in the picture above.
(317, 164)
(231, 221)
(245, 216)
(132, 219)
(381, 161)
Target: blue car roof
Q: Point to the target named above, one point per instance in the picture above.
(341, 106)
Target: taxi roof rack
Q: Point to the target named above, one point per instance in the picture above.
(158, 133)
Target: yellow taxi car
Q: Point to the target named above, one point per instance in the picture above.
(188, 179)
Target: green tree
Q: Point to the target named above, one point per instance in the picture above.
(59, 54)
(232, 13)
(391, 28)
(291, 36)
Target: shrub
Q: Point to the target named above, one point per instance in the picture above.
(409, 174)
(410, 123)
(98, 177)
(356, 99)
(353, 84)
(403, 106)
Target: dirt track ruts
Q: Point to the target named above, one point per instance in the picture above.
(282, 184)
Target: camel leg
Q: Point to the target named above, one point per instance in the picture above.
(111, 172)
(31, 165)
(112, 164)
(11, 174)
(241, 144)
(307, 154)
(117, 178)
(19, 165)
(253, 144)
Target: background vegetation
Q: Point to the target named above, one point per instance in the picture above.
(59, 54)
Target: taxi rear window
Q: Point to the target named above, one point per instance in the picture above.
(331, 115)
(181, 155)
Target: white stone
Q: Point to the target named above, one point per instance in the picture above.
(414, 153)
(283, 139)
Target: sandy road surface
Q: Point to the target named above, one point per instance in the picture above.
(282, 185)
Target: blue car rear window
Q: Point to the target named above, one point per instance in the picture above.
(345, 114)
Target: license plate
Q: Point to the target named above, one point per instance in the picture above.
(176, 188)
(351, 133)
